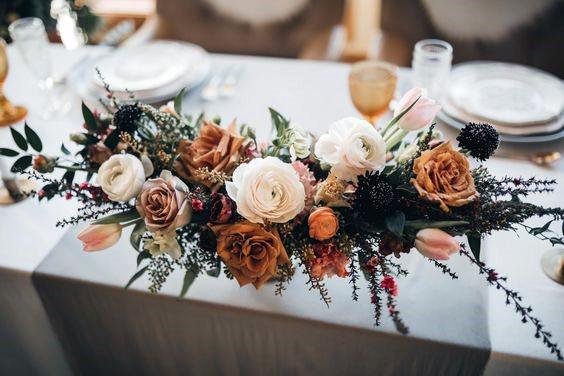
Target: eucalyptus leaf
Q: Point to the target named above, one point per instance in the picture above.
(19, 139)
(33, 138)
(68, 176)
(189, 278)
(89, 118)
(21, 163)
(136, 276)
(8, 152)
(137, 234)
(126, 216)
(395, 222)
(475, 243)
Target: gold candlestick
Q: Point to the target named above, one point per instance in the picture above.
(9, 114)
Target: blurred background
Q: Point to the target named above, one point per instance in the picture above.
(527, 32)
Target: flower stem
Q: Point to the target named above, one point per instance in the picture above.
(395, 138)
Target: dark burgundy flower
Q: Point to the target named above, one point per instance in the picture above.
(222, 208)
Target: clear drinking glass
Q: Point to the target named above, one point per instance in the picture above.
(30, 39)
(372, 85)
(431, 64)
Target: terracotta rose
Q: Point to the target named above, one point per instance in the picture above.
(251, 252)
(216, 148)
(442, 175)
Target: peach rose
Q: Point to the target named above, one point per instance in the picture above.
(323, 223)
(216, 149)
(251, 252)
(163, 203)
(442, 175)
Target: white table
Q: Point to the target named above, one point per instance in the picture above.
(221, 328)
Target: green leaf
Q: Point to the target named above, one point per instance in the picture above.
(64, 149)
(142, 256)
(539, 230)
(214, 272)
(137, 234)
(280, 122)
(136, 276)
(178, 101)
(8, 152)
(21, 163)
(112, 140)
(423, 223)
(68, 176)
(126, 216)
(475, 243)
(89, 118)
(19, 139)
(396, 222)
(189, 277)
(33, 138)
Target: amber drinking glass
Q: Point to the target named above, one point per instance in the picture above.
(9, 114)
(372, 85)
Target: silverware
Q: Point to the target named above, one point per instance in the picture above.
(210, 92)
(540, 159)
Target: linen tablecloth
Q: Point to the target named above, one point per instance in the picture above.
(456, 326)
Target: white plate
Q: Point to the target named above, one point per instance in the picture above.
(522, 130)
(506, 137)
(148, 66)
(82, 80)
(507, 94)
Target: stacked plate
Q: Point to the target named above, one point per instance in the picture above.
(151, 73)
(522, 103)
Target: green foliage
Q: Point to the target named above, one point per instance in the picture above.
(8, 152)
(395, 222)
(89, 119)
(136, 276)
(123, 217)
(33, 139)
(21, 163)
(19, 139)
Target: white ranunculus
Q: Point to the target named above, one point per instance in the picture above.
(121, 177)
(267, 189)
(299, 141)
(352, 147)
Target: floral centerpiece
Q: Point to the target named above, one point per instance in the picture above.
(204, 198)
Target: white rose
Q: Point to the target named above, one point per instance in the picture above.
(299, 141)
(267, 189)
(352, 147)
(121, 177)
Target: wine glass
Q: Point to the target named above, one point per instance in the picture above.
(372, 85)
(9, 114)
(30, 38)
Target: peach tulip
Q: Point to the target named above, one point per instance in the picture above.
(436, 244)
(420, 115)
(98, 237)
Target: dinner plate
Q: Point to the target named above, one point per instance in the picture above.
(507, 94)
(148, 66)
(557, 135)
(523, 130)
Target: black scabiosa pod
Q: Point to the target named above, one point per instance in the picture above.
(125, 119)
(480, 140)
(375, 197)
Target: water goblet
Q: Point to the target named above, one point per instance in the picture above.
(372, 85)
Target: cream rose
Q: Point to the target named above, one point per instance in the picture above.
(121, 177)
(352, 147)
(299, 141)
(267, 189)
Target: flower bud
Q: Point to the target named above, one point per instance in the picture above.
(43, 164)
(99, 237)
(436, 244)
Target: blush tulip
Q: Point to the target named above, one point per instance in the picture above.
(420, 115)
(436, 244)
(98, 237)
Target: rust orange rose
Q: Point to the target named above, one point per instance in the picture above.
(216, 149)
(323, 223)
(442, 175)
(251, 252)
